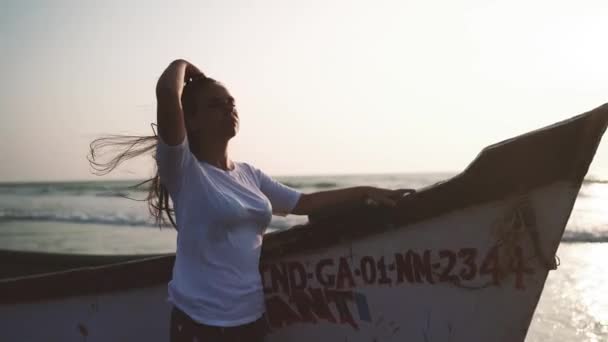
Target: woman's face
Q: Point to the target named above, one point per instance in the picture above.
(215, 114)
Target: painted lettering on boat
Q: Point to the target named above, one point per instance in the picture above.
(410, 267)
(309, 291)
(312, 305)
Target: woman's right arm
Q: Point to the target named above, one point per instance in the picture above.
(169, 113)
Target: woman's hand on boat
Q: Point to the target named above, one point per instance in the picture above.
(375, 197)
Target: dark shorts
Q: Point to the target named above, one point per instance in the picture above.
(184, 329)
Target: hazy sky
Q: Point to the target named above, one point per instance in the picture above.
(322, 87)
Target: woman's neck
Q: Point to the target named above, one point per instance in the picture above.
(214, 152)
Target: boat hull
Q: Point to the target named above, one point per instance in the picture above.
(479, 282)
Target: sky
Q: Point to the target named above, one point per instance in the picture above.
(322, 87)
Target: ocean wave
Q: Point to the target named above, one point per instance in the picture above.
(278, 223)
(109, 188)
(584, 236)
(7, 215)
(316, 185)
(126, 188)
(594, 181)
(78, 218)
(112, 194)
(71, 188)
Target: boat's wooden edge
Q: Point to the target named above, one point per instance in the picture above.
(21, 263)
(561, 152)
(133, 274)
(85, 259)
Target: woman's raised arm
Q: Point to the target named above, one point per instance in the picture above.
(169, 113)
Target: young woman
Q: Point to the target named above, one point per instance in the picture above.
(222, 208)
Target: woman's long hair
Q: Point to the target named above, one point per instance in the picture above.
(131, 146)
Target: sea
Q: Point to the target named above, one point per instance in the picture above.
(110, 217)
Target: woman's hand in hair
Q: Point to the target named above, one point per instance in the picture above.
(192, 70)
(172, 79)
(169, 113)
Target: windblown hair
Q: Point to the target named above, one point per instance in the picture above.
(131, 146)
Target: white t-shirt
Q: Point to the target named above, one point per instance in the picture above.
(221, 218)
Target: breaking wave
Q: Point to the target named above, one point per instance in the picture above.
(277, 223)
(81, 218)
(583, 236)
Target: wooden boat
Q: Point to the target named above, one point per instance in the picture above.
(462, 260)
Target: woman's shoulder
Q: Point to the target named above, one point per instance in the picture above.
(244, 164)
(249, 168)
